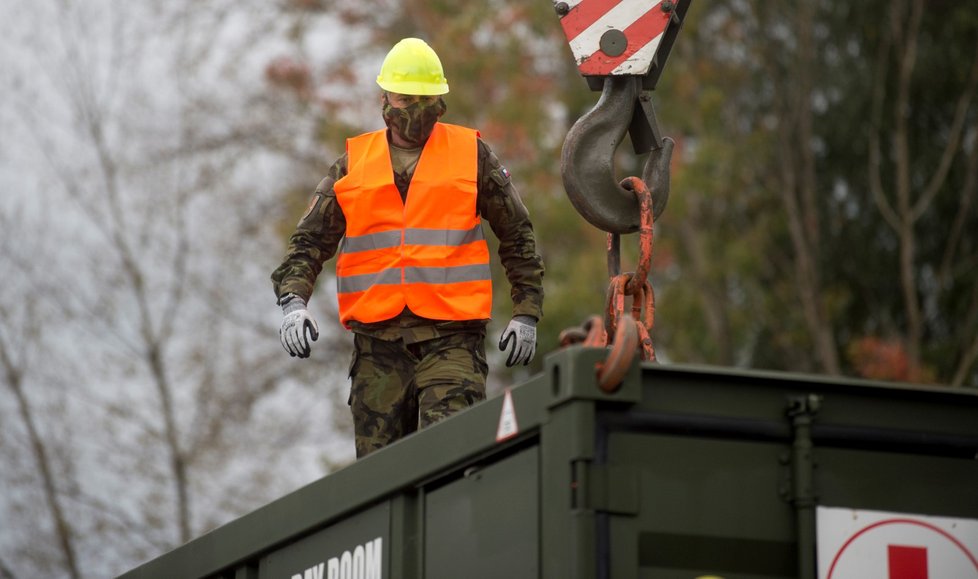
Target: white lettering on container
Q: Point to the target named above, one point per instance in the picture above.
(364, 562)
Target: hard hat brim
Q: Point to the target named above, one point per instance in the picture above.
(413, 87)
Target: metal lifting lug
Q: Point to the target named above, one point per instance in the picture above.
(587, 158)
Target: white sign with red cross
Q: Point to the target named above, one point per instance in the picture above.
(614, 37)
(859, 544)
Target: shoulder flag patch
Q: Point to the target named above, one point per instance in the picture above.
(312, 206)
(500, 175)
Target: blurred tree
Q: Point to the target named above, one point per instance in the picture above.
(145, 161)
(922, 163)
(783, 147)
(22, 343)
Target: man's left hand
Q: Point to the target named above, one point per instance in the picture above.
(522, 332)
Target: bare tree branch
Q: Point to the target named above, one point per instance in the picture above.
(713, 305)
(807, 182)
(5, 572)
(875, 168)
(967, 198)
(967, 362)
(970, 351)
(907, 235)
(797, 188)
(14, 374)
(965, 100)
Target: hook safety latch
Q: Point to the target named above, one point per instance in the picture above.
(587, 161)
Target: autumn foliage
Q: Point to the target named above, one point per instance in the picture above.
(884, 359)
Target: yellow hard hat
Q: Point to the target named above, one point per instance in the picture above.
(412, 67)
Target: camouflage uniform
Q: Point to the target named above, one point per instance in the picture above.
(410, 365)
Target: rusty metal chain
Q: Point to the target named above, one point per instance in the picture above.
(634, 284)
(629, 334)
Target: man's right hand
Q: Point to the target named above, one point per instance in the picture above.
(297, 327)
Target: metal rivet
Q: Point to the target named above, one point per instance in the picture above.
(562, 8)
(613, 42)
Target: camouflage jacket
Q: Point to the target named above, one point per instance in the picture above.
(320, 230)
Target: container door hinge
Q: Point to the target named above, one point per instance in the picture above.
(613, 489)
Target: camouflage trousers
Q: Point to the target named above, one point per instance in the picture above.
(398, 388)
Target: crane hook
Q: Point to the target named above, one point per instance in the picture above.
(587, 157)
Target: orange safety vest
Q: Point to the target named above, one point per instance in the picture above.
(428, 253)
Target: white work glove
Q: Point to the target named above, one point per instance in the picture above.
(522, 332)
(297, 327)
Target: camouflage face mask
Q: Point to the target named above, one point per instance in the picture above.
(415, 122)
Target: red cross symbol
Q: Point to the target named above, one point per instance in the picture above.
(907, 562)
(903, 561)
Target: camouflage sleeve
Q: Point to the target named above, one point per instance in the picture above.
(315, 239)
(499, 203)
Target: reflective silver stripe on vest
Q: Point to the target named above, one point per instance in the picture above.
(412, 236)
(359, 283)
(381, 240)
(452, 237)
(437, 275)
(431, 275)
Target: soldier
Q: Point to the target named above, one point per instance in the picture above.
(412, 275)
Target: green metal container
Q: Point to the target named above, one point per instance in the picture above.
(682, 472)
